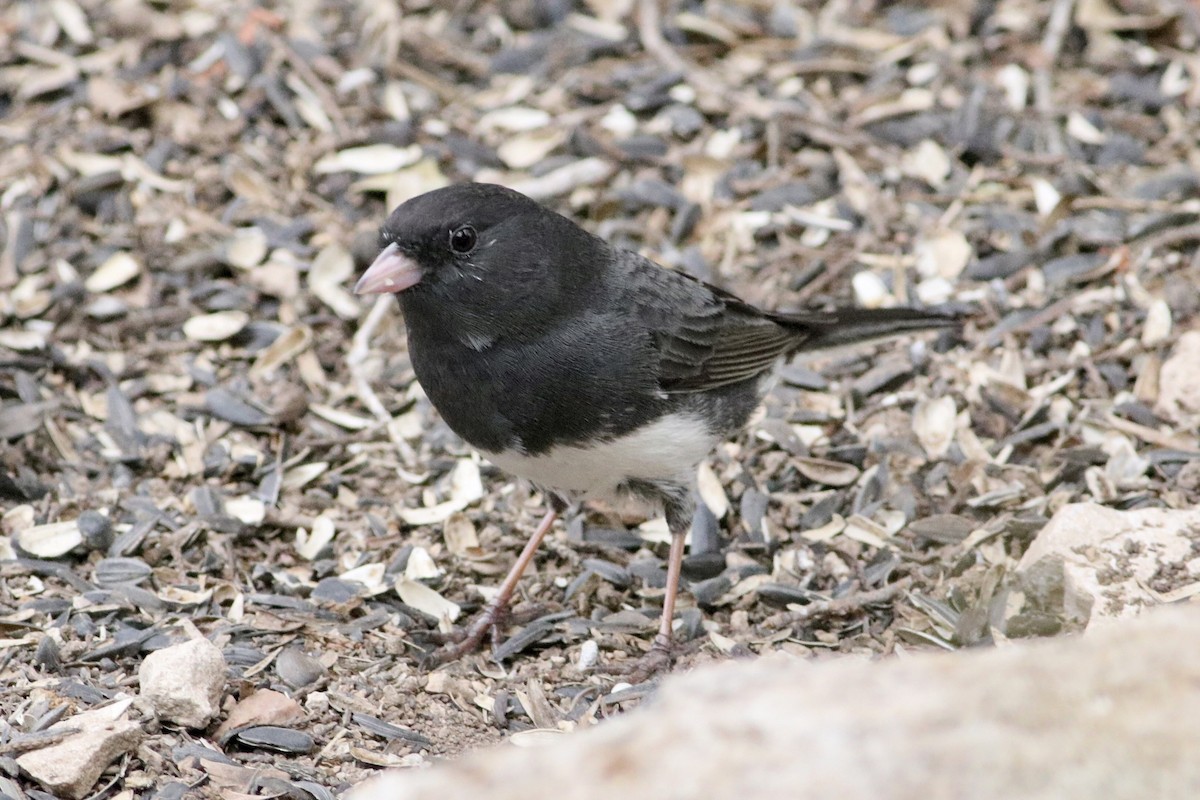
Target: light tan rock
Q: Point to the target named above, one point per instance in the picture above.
(1110, 714)
(1179, 382)
(1092, 563)
(183, 682)
(71, 767)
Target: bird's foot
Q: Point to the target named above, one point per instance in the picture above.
(465, 641)
(657, 659)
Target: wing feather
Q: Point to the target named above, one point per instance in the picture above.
(707, 338)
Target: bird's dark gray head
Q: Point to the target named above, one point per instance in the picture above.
(481, 257)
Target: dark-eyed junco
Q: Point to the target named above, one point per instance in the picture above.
(587, 369)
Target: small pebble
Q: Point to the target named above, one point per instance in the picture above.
(97, 530)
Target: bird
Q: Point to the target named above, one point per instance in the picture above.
(588, 369)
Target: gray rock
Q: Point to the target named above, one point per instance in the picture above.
(71, 767)
(1110, 714)
(1179, 382)
(183, 682)
(1091, 563)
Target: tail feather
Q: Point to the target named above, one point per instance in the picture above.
(848, 326)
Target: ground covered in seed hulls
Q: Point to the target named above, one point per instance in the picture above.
(202, 432)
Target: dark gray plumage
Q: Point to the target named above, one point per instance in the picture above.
(579, 365)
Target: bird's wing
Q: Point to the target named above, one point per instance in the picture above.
(719, 345)
(707, 338)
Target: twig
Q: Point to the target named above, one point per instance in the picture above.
(1166, 440)
(443, 89)
(649, 27)
(1042, 317)
(337, 737)
(832, 272)
(840, 607)
(36, 741)
(279, 519)
(1056, 30)
(360, 349)
(650, 33)
(314, 82)
(1172, 237)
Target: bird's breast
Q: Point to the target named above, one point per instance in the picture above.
(667, 449)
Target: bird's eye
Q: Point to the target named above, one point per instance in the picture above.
(462, 239)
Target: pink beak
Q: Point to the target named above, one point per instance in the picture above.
(392, 271)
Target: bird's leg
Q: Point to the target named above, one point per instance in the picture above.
(659, 656)
(674, 566)
(495, 611)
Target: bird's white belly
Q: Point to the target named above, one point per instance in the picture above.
(667, 449)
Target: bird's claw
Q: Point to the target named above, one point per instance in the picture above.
(657, 659)
(464, 641)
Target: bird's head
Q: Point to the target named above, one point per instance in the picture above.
(482, 256)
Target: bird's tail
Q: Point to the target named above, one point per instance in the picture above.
(833, 329)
